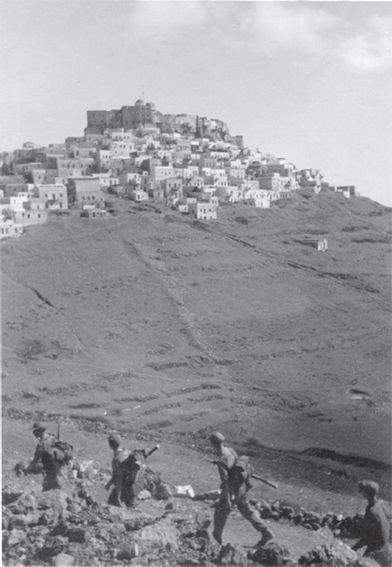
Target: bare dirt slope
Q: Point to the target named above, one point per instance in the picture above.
(163, 327)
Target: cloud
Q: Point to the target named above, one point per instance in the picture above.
(371, 50)
(154, 20)
(254, 27)
(271, 27)
(289, 27)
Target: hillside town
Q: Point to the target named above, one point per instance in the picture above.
(184, 162)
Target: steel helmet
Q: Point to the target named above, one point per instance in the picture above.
(114, 439)
(217, 437)
(369, 487)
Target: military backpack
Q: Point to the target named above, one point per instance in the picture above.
(132, 466)
(242, 470)
(61, 452)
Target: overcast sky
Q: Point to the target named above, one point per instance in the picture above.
(309, 81)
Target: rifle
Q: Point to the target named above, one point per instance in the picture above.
(254, 475)
(149, 453)
(261, 479)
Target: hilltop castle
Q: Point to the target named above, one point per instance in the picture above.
(145, 115)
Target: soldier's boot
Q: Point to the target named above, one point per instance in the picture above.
(267, 535)
(129, 502)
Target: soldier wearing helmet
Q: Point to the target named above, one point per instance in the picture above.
(43, 460)
(376, 524)
(232, 491)
(119, 456)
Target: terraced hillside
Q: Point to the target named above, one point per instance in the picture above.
(161, 326)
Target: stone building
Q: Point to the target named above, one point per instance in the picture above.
(54, 195)
(86, 191)
(127, 117)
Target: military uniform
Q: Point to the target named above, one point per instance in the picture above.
(116, 495)
(376, 526)
(233, 492)
(44, 461)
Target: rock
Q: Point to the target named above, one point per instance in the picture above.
(54, 503)
(15, 537)
(264, 509)
(336, 554)
(86, 469)
(62, 559)
(26, 502)
(117, 529)
(185, 491)
(129, 552)
(144, 495)
(8, 496)
(18, 521)
(169, 506)
(53, 546)
(368, 562)
(77, 535)
(84, 496)
(116, 514)
(287, 512)
(60, 529)
(232, 555)
(162, 534)
(6, 518)
(162, 491)
(271, 554)
(73, 506)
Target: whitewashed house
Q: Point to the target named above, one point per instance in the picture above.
(9, 229)
(206, 211)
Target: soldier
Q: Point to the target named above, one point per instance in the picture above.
(234, 486)
(376, 525)
(119, 456)
(44, 459)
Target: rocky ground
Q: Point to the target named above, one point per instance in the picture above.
(169, 526)
(164, 328)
